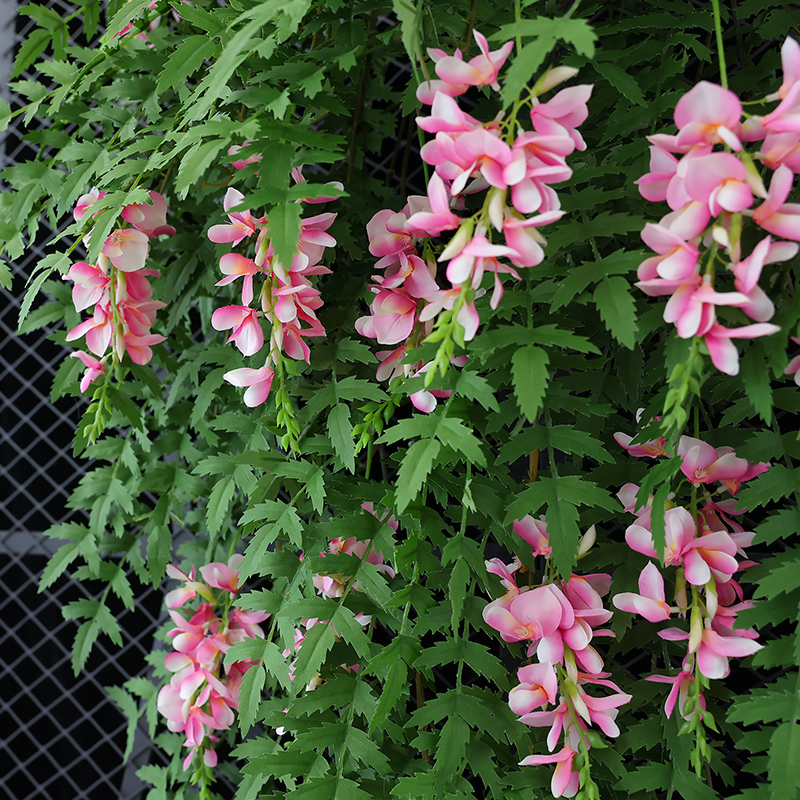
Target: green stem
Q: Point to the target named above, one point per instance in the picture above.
(720, 45)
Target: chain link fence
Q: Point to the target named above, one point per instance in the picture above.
(63, 738)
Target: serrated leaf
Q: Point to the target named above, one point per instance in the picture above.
(617, 308)
(130, 708)
(218, 504)
(784, 754)
(340, 429)
(755, 379)
(284, 229)
(457, 591)
(318, 641)
(451, 751)
(417, 464)
(394, 687)
(621, 81)
(187, 57)
(250, 697)
(529, 375)
(564, 534)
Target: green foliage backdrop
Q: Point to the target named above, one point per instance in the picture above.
(565, 361)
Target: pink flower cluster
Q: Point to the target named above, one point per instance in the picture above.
(286, 296)
(559, 621)
(202, 694)
(710, 191)
(334, 585)
(118, 288)
(703, 546)
(516, 166)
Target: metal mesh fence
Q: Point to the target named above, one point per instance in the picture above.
(63, 738)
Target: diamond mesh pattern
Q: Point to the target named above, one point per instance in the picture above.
(62, 736)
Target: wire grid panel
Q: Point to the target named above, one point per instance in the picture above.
(63, 738)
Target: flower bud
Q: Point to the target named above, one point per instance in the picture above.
(461, 239)
(553, 77)
(587, 540)
(696, 630)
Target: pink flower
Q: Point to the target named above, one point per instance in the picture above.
(790, 63)
(524, 240)
(127, 249)
(565, 781)
(446, 117)
(774, 214)
(247, 332)
(223, 576)
(691, 307)
(719, 179)
(84, 201)
(242, 223)
(708, 114)
(538, 687)
(714, 650)
(439, 218)
(563, 113)
(704, 464)
(481, 70)
(241, 163)
(98, 329)
(680, 531)
(679, 692)
(150, 219)
(257, 381)
(723, 352)
(677, 258)
(650, 603)
(236, 266)
(663, 166)
(532, 615)
(534, 532)
(90, 284)
(94, 368)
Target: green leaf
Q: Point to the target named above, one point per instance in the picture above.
(784, 755)
(417, 464)
(564, 534)
(33, 46)
(5, 115)
(250, 697)
(340, 429)
(218, 504)
(130, 708)
(126, 14)
(476, 387)
(187, 57)
(318, 641)
(284, 228)
(454, 434)
(617, 308)
(576, 32)
(529, 374)
(394, 687)
(451, 751)
(44, 269)
(329, 787)
(755, 377)
(195, 164)
(621, 81)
